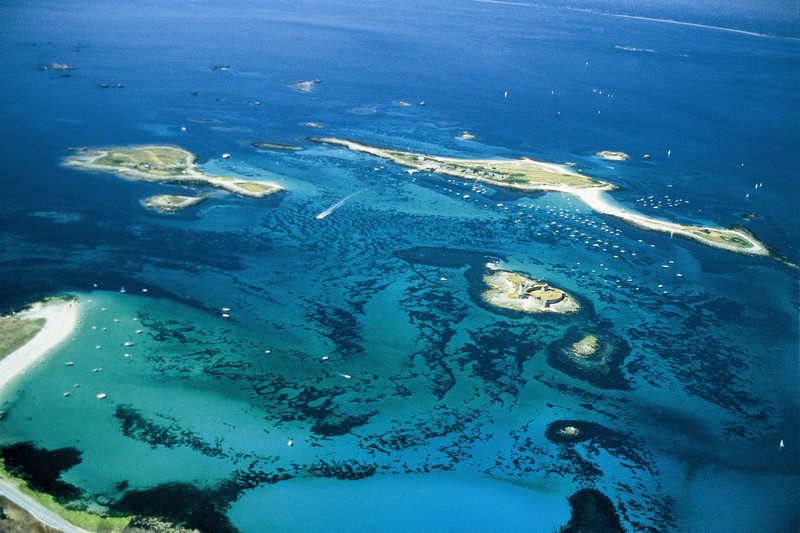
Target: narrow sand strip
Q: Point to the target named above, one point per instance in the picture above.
(61, 317)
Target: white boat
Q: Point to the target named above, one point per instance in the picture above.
(101, 396)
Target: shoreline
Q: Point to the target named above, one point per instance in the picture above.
(590, 192)
(595, 200)
(60, 316)
(192, 174)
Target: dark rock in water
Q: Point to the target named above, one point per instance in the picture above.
(42, 468)
(189, 506)
(597, 362)
(334, 427)
(592, 512)
(182, 504)
(749, 216)
(263, 145)
(569, 431)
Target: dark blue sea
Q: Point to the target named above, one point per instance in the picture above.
(410, 405)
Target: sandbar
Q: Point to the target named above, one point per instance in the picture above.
(60, 317)
(165, 164)
(529, 175)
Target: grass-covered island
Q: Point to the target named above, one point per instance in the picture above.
(515, 292)
(171, 203)
(613, 156)
(529, 175)
(163, 163)
(520, 174)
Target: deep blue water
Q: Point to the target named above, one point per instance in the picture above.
(448, 401)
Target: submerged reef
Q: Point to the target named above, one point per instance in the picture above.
(42, 468)
(592, 355)
(592, 512)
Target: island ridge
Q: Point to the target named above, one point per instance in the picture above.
(163, 163)
(530, 175)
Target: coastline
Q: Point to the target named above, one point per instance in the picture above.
(60, 316)
(589, 192)
(60, 319)
(595, 200)
(191, 174)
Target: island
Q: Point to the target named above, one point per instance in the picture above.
(515, 292)
(529, 175)
(613, 156)
(168, 164)
(305, 86)
(592, 355)
(263, 145)
(171, 203)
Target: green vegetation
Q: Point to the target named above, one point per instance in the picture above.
(80, 518)
(163, 163)
(153, 160)
(586, 346)
(521, 174)
(15, 332)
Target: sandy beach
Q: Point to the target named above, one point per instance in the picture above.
(61, 317)
(597, 200)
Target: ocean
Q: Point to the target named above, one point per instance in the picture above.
(409, 404)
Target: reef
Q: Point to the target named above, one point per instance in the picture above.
(571, 431)
(592, 512)
(42, 468)
(592, 355)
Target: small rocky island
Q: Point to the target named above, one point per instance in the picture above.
(570, 431)
(263, 145)
(515, 292)
(613, 156)
(592, 355)
(305, 86)
(168, 164)
(171, 203)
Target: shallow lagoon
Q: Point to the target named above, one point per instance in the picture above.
(437, 382)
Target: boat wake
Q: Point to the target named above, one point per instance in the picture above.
(337, 205)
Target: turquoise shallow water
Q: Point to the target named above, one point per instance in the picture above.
(443, 418)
